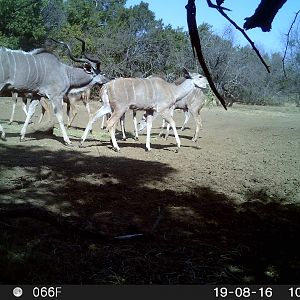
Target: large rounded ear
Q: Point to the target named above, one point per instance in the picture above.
(186, 73)
(98, 66)
(87, 68)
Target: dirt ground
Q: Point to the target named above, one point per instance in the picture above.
(222, 210)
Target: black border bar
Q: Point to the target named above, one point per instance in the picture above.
(155, 292)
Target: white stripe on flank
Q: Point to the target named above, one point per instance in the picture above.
(2, 67)
(15, 68)
(153, 89)
(37, 72)
(6, 52)
(40, 65)
(113, 88)
(134, 95)
(45, 69)
(28, 73)
(146, 88)
(127, 99)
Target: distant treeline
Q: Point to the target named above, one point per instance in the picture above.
(131, 42)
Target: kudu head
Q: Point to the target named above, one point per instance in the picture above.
(199, 80)
(90, 66)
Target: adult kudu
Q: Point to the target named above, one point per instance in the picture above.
(41, 73)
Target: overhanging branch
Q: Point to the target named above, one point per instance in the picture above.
(196, 46)
(220, 9)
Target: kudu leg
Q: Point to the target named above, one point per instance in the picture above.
(45, 108)
(31, 110)
(103, 121)
(71, 110)
(149, 118)
(198, 122)
(186, 119)
(11, 119)
(58, 111)
(168, 126)
(136, 134)
(2, 133)
(168, 116)
(104, 118)
(122, 123)
(111, 126)
(87, 107)
(24, 105)
(101, 112)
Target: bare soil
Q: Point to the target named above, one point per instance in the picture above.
(222, 210)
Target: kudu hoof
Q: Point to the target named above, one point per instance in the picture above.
(69, 145)
(177, 150)
(124, 139)
(148, 149)
(3, 138)
(116, 149)
(136, 138)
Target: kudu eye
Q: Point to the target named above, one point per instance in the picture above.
(87, 68)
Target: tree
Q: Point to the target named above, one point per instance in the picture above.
(21, 24)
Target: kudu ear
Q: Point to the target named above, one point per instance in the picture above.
(87, 68)
(98, 66)
(186, 73)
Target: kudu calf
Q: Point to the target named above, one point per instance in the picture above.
(150, 94)
(191, 104)
(41, 73)
(71, 100)
(25, 97)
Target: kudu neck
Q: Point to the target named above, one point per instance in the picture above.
(183, 89)
(78, 77)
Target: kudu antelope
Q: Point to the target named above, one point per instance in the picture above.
(25, 97)
(150, 94)
(71, 100)
(41, 73)
(191, 104)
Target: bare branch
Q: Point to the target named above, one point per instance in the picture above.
(287, 43)
(196, 46)
(220, 10)
(218, 5)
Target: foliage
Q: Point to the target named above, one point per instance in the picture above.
(130, 41)
(19, 29)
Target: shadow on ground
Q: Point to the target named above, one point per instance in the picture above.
(198, 237)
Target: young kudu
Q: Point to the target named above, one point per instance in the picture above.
(71, 99)
(191, 104)
(150, 94)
